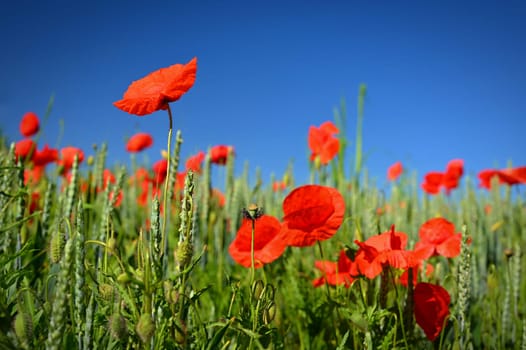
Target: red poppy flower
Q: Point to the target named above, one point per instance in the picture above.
(194, 162)
(438, 237)
(454, 171)
(268, 242)
(404, 278)
(118, 199)
(107, 178)
(34, 202)
(67, 157)
(279, 186)
(455, 167)
(518, 173)
(33, 175)
(220, 153)
(153, 92)
(335, 273)
(139, 142)
(160, 169)
(45, 156)
(394, 171)
(219, 197)
(432, 182)
(322, 143)
(431, 308)
(142, 199)
(449, 179)
(312, 213)
(29, 125)
(25, 148)
(379, 251)
(509, 177)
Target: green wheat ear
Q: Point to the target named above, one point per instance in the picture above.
(58, 318)
(24, 328)
(463, 285)
(56, 244)
(145, 328)
(117, 326)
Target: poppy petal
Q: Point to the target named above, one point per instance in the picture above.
(436, 230)
(450, 248)
(268, 242)
(154, 91)
(431, 308)
(312, 213)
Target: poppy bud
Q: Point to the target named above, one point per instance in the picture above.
(170, 293)
(90, 161)
(257, 289)
(139, 274)
(123, 278)
(269, 313)
(112, 244)
(269, 292)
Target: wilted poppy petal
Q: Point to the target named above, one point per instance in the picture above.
(312, 213)
(431, 308)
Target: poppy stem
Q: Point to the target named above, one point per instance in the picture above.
(164, 243)
(252, 243)
(322, 259)
(170, 116)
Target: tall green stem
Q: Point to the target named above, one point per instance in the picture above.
(164, 242)
(252, 263)
(358, 155)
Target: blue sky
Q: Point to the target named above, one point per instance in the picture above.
(446, 79)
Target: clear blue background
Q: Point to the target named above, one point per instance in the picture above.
(446, 79)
